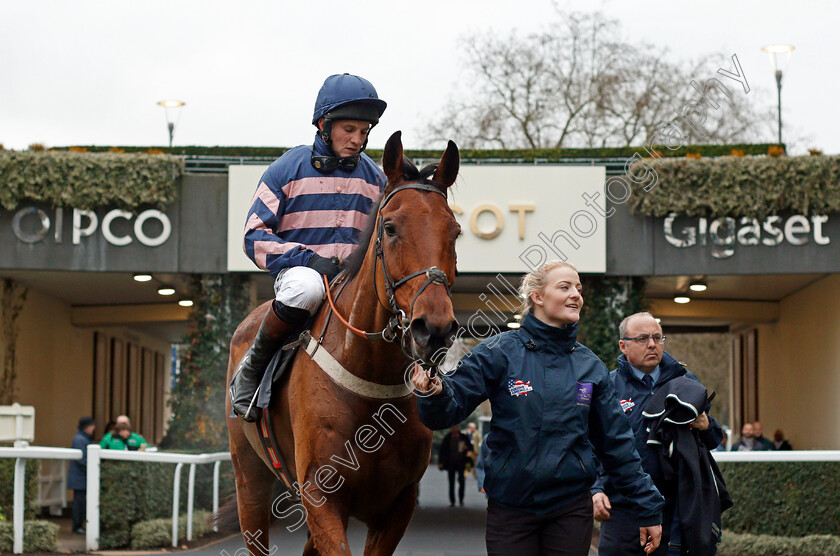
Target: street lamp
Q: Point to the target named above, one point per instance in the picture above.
(776, 53)
(175, 105)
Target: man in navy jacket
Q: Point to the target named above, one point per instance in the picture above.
(77, 473)
(643, 368)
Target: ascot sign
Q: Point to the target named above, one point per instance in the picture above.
(724, 233)
(31, 225)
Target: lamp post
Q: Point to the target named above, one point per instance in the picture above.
(776, 52)
(175, 105)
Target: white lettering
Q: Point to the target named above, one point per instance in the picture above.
(164, 234)
(78, 231)
(777, 234)
(797, 224)
(106, 227)
(689, 233)
(819, 238)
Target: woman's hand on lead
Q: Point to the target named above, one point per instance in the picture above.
(423, 384)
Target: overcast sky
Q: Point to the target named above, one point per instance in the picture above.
(90, 72)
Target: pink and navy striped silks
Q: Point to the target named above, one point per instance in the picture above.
(297, 211)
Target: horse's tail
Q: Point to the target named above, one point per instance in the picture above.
(227, 516)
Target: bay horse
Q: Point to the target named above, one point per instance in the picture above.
(353, 451)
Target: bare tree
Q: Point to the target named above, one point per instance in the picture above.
(579, 84)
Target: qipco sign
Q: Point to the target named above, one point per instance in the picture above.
(724, 235)
(119, 227)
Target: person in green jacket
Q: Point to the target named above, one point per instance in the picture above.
(132, 441)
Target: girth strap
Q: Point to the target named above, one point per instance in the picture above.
(348, 380)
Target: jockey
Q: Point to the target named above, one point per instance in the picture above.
(306, 216)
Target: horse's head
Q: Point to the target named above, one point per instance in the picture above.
(416, 232)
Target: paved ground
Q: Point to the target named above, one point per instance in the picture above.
(435, 530)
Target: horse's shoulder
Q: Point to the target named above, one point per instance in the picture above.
(247, 329)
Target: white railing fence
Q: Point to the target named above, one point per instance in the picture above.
(20, 455)
(94, 461)
(95, 455)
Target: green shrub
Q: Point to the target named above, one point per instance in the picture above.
(734, 544)
(787, 499)
(7, 487)
(132, 492)
(158, 532)
(511, 155)
(740, 186)
(38, 536)
(86, 181)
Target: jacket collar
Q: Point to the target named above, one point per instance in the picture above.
(539, 335)
(669, 367)
(321, 148)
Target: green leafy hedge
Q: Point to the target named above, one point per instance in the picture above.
(734, 544)
(38, 536)
(608, 300)
(7, 487)
(741, 186)
(87, 181)
(525, 155)
(158, 532)
(132, 492)
(787, 499)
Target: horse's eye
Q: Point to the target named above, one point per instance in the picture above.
(390, 229)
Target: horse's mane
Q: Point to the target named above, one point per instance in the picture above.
(410, 173)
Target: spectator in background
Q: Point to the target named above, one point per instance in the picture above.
(475, 438)
(780, 442)
(453, 457)
(77, 473)
(134, 441)
(747, 442)
(119, 437)
(764, 443)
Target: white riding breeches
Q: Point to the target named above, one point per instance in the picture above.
(300, 287)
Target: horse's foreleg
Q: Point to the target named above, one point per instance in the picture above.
(328, 525)
(385, 534)
(254, 488)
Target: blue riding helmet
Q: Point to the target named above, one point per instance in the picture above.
(348, 97)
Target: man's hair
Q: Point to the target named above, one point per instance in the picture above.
(119, 427)
(622, 328)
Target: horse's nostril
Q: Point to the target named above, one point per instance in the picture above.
(428, 334)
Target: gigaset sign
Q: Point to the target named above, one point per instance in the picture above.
(31, 225)
(723, 234)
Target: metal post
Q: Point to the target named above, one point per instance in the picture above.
(216, 496)
(779, 91)
(20, 491)
(176, 500)
(171, 127)
(94, 461)
(190, 499)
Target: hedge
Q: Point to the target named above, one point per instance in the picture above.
(7, 487)
(523, 155)
(789, 499)
(133, 492)
(38, 536)
(158, 532)
(87, 181)
(734, 544)
(740, 186)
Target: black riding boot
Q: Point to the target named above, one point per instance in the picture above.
(270, 337)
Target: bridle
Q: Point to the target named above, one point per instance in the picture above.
(399, 322)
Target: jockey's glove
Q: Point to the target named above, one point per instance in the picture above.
(328, 267)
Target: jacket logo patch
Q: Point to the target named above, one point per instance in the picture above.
(518, 388)
(584, 393)
(627, 405)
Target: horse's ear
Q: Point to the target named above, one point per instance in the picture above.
(447, 169)
(392, 158)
